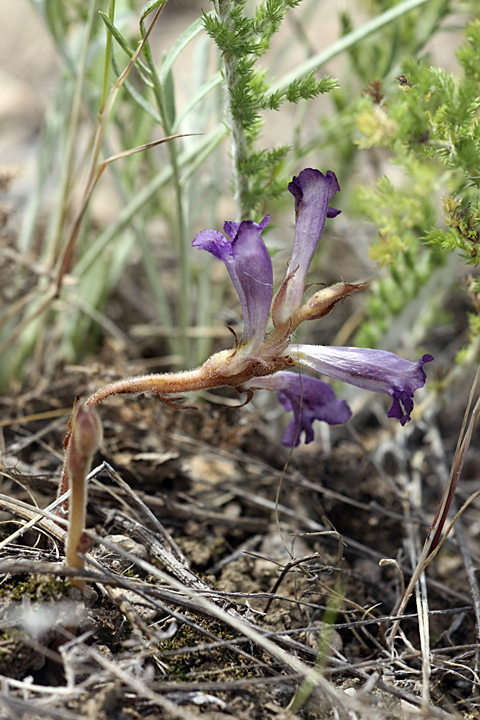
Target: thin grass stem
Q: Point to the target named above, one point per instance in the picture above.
(183, 246)
(68, 154)
(433, 543)
(108, 59)
(346, 42)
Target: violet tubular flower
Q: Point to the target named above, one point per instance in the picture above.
(312, 192)
(308, 398)
(250, 268)
(375, 370)
(261, 360)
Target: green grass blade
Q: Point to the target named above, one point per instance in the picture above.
(182, 42)
(207, 87)
(144, 196)
(346, 42)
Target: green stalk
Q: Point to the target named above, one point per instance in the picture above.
(108, 57)
(334, 606)
(71, 143)
(183, 241)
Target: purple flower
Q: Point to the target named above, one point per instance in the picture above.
(309, 399)
(375, 370)
(265, 361)
(312, 192)
(250, 268)
(259, 362)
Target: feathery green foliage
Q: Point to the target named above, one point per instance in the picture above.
(242, 40)
(429, 121)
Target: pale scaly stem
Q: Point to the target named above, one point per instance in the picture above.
(166, 384)
(238, 137)
(228, 368)
(77, 515)
(83, 439)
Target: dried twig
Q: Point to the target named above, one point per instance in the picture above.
(432, 543)
(473, 582)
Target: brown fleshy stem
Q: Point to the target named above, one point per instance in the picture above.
(166, 384)
(230, 368)
(64, 481)
(83, 439)
(224, 369)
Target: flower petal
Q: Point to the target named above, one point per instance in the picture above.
(250, 268)
(312, 192)
(375, 370)
(308, 398)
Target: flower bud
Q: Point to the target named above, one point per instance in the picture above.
(86, 433)
(83, 440)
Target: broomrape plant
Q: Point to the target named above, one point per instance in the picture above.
(265, 361)
(260, 361)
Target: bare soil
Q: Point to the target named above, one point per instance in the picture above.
(290, 547)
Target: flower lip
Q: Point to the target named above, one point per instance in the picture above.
(250, 268)
(232, 228)
(308, 398)
(303, 182)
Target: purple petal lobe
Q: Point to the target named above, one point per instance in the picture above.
(312, 192)
(375, 370)
(231, 228)
(309, 399)
(250, 268)
(214, 242)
